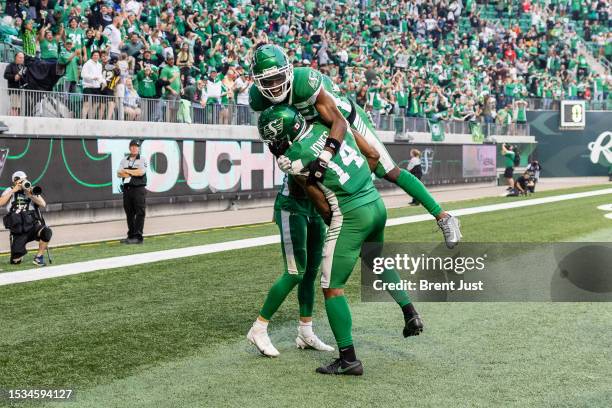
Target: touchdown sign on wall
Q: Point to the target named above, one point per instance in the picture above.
(84, 170)
(212, 166)
(81, 173)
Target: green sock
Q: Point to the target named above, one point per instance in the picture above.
(400, 296)
(277, 294)
(306, 294)
(340, 321)
(380, 171)
(413, 186)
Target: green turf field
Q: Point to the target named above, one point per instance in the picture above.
(171, 334)
(426, 232)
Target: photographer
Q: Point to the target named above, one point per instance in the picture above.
(524, 184)
(24, 220)
(132, 171)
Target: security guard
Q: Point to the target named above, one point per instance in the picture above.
(132, 171)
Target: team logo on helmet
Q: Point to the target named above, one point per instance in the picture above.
(273, 129)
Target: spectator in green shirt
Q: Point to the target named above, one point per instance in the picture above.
(147, 82)
(28, 36)
(70, 58)
(172, 91)
(49, 44)
(75, 34)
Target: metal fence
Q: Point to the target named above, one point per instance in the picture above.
(550, 104)
(83, 106)
(404, 125)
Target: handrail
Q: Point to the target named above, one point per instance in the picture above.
(31, 103)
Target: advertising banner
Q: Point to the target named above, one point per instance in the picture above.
(573, 153)
(84, 171)
(479, 161)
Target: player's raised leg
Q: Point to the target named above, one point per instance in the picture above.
(387, 169)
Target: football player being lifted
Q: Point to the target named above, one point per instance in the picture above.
(316, 97)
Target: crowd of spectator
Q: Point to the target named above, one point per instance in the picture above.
(439, 59)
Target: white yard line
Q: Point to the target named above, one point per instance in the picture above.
(75, 268)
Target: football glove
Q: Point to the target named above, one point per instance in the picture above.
(318, 166)
(289, 167)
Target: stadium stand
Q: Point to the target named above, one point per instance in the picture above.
(459, 61)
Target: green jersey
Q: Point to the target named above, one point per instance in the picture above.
(509, 159)
(348, 181)
(306, 86)
(71, 61)
(76, 35)
(49, 49)
(169, 72)
(147, 84)
(292, 198)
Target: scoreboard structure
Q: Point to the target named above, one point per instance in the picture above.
(573, 115)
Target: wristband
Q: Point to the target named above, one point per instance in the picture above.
(325, 156)
(332, 144)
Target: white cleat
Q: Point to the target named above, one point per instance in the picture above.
(311, 342)
(451, 229)
(261, 340)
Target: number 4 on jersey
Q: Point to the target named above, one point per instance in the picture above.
(348, 155)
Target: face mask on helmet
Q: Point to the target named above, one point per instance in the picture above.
(275, 84)
(279, 126)
(278, 147)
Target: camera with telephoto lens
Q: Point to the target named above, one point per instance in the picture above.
(26, 184)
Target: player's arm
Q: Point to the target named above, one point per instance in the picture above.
(331, 116)
(368, 151)
(317, 197)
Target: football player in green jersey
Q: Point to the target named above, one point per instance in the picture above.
(316, 97)
(302, 233)
(355, 212)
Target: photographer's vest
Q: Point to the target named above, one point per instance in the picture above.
(20, 202)
(21, 216)
(135, 181)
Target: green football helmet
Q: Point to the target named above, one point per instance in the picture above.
(279, 126)
(272, 72)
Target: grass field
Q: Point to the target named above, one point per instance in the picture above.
(424, 232)
(171, 334)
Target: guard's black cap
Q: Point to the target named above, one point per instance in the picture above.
(135, 142)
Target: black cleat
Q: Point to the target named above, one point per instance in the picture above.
(341, 367)
(413, 326)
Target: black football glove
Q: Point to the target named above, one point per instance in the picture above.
(317, 169)
(318, 166)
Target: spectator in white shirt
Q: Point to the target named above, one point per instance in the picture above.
(242, 86)
(93, 80)
(114, 36)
